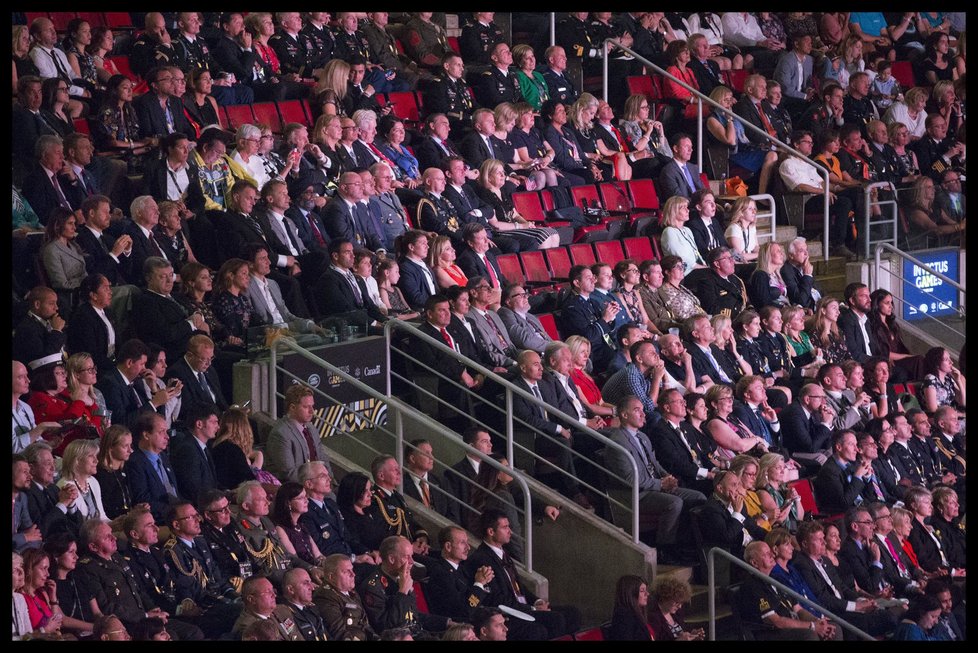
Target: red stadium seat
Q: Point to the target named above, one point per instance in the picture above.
(222, 117)
(118, 20)
(582, 254)
(549, 325)
(239, 114)
(535, 267)
(406, 106)
(643, 194)
(509, 265)
(62, 18)
(528, 204)
(609, 251)
(31, 16)
(638, 248)
(291, 111)
(587, 193)
(122, 63)
(639, 85)
(614, 196)
(591, 635)
(803, 487)
(547, 199)
(902, 71)
(308, 110)
(453, 44)
(267, 113)
(558, 260)
(735, 79)
(82, 126)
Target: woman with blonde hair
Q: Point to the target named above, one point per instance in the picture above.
(581, 115)
(645, 136)
(848, 61)
(730, 360)
(22, 63)
(235, 459)
(113, 453)
(78, 467)
(506, 117)
(910, 112)
(587, 389)
(676, 238)
(823, 330)
(330, 89)
(746, 468)
(907, 168)
(492, 177)
(82, 376)
(804, 354)
(766, 287)
(326, 133)
(531, 147)
(731, 436)
(922, 223)
(741, 233)
(441, 259)
(780, 502)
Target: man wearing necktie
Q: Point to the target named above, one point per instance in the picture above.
(151, 477)
(340, 292)
(200, 383)
(190, 453)
(421, 482)
(753, 410)
(705, 354)
(43, 186)
(27, 124)
(841, 480)
(345, 217)
(477, 146)
(677, 448)
(294, 439)
(680, 178)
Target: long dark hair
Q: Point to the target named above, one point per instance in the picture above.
(350, 490)
(882, 329)
(281, 515)
(626, 595)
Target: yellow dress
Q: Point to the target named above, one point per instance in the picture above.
(753, 504)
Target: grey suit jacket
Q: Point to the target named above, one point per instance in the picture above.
(65, 266)
(499, 356)
(262, 312)
(526, 333)
(286, 449)
(618, 463)
(787, 73)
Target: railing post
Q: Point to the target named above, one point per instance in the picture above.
(553, 27)
(273, 381)
(825, 217)
(711, 588)
(509, 427)
(604, 70)
(699, 133)
(399, 450)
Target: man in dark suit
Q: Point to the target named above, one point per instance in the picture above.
(121, 395)
(678, 448)
(580, 317)
(720, 291)
(448, 591)
(201, 385)
(806, 426)
(175, 175)
(356, 95)
(706, 70)
(476, 260)
(157, 317)
(853, 321)
(459, 477)
(88, 328)
(705, 354)
(861, 552)
(151, 476)
(722, 520)
(50, 507)
(346, 217)
(304, 214)
(27, 124)
(190, 454)
(878, 487)
(282, 235)
(797, 273)
(707, 232)
(340, 292)
(505, 589)
(159, 111)
(680, 177)
(830, 589)
(145, 215)
(477, 145)
(752, 409)
(936, 151)
(41, 332)
(469, 207)
(104, 254)
(750, 107)
(417, 281)
(421, 482)
(898, 571)
(45, 189)
(841, 479)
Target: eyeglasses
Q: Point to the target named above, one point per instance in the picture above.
(886, 516)
(518, 294)
(863, 521)
(267, 137)
(219, 511)
(254, 140)
(485, 287)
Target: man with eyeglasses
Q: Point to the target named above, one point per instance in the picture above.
(160, 111)
(346, 218)
(876, 488)
(258, 596)
(201, 385)
(226, 543)
(524, 329)
(324, 521)
(861, 551)
(949, 197)
(198, 576)
(898, 571)
(720, 291)
(806, 426)
(840, 481)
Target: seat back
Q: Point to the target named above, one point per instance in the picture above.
(118, 20)
(614, 196)
(735, 79)
(803, 487)
(734, 598)
(453, 44)
(582, 254)
(122, 63)
(267, 113)
(534, 266)
(62, 18)
(609, 251)
(291, 111)
(639, 85)
(638, 248)
(559, 262)
(239, 114)
(902, 71)
(643, 194)
(509, 265)
(586, 193)
(82, 126)
(547, 199)
(406, 105)
(527, 204)
(549, 325)
(590, 635)
(93, 18)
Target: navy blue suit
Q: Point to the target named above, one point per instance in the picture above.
(193, 467)
(579, 317)
(802, 434)
(413, 284)
(145, 483)
(119, 398)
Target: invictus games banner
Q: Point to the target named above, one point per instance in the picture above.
(925, 293)
(347, 408)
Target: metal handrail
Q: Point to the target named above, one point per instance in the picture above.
(868, 203)
(511, 389)
(902, 254)
(767, 197)
(608, 43)
(711, 569)
(399, 409)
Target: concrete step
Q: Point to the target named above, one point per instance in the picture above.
(833, 284)
(680, 573)
(814, 250)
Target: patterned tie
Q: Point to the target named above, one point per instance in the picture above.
(689, 178)
(316, 234)
(765, 431)
(62, 200)
(165, 478)
(514, 582)
(310, 443)
(356, 289)
(135, 394)
(499, 335)
(425, 493)
(764, 121)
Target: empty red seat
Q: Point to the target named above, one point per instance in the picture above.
(118, 20)
(902, 71)
(122, 63)
(406, 106)
(582, 254)
(608, 251)
(639, 85)
(62, 18)
(528, 204)
(638, 248)
(549, 325)
(643, 194)
(82, 126)
(535, 267)
(291, 111)
(239, 114)
(587, 193)
(735, 79)
(559, 262)
(509, 265)
(453, 44)
(93, 18)
(267, 113)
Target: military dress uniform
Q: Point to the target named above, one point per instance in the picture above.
(113, 584)
(148, 53)
(264, 546)
(383, 51)
(387, 607)
(288, 630)
(397, 516)
(573, 35)
(477, 41)
(199, 567)
(292, 56)
(309, 622)
(343, 614)
(495, 87)
(425, 43)
(318, 44)
(452, 98)
(227, 548)
(560, 87)
(719, 296)
(438, 214)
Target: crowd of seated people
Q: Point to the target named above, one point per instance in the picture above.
(149, 242)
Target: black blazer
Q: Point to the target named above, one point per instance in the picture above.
(474, 149)
(627, 627)
(820, 587)
(747, 110)
(855, 342)
(119, 398)
(355, 99)
(674, 456)
(439, 502)
(32, 341)
(335, 296)
(707, 74)
(87, 332)
(142, 249)
(702, 365)
(717, 294)
(340, 224)
(760, 292)
(835, 488)
(163, 321)
(152, 118)
(429, 154)
(448, 591)
(500, 591)
(467, 201)
(98, 260)
(928, 553)
(456, 484)
(751, 420)
(365, 158)
(701, 233)
(302, 225)
(887, 480)
(529, 413)
(720, 528)
(802, 434)
(236, 232)
(473, 266)
(799, 286)
(470, 345)
(233, 59)
(156, 175)
(414, 284)
(193, 467)
(193, 392)
(41, 195)
(41, 505)
(867, 575)
(440, 361)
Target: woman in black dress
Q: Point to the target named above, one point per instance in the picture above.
(54, 106)
(114, 451)
(231, 305)
(629, 621)
(75, 601)
(291, 503)
(491, 189)
(355, 499)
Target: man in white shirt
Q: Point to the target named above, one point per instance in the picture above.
(50, 60)
(741, 29)
(268, 306)
(852, 322)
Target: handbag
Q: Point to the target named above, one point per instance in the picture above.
(575, 216)
(736, 187)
